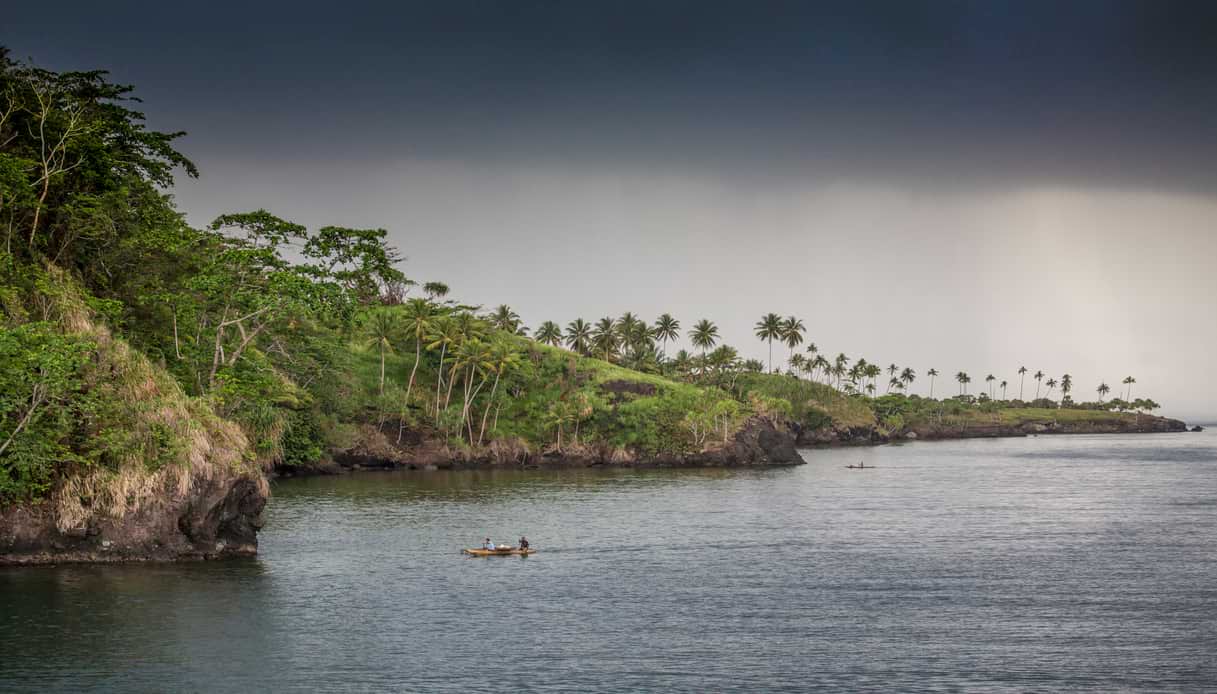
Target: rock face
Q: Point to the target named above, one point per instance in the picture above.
(219, 518)
(760, 441)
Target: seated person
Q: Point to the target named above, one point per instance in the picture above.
(488, 544)
(523, 542)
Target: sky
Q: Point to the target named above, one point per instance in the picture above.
(962, 185)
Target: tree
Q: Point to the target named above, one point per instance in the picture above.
(932, 373)
(1039, 376)
(382, 330)
(604, 338)
(417, 314)
(1103, 390)
(792, 332)
(704, 335)
(445, 333)
(907, 377)
(1022, 375)
(435, 290)
(666, 328)
(990, 379)
(1051, 383)
(1128, 381)
(1066, 386)
(502, 357)
(578, 336)
(1003, 390)
(505, 319)
(769, 328)
(963, 381)
(549, 334)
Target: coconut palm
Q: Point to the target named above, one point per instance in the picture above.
(625, 328)
(1003, 385)
(907, 376)
(820, 364)
(792, 332)
(1051, 383)
(550, 333)
(1103, 390)
(682, 362)
(1066, 386)
(704, 335)
(1128, 381)
(435, 290)
(578, 335)
(932, 373)
(604, 338)
(1022, 377)
(502, 357)
(505, 319)
(768, 329)
(797, 363)
(382, 330)
(445, 333)
(417, 316)
(666, 328)
(1039, 376)
(990, 379)
(963, 380)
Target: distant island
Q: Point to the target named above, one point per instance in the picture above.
(156, 374)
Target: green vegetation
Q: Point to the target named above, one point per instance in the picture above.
(140, 353)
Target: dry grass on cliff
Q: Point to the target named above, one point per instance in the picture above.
(165, 444)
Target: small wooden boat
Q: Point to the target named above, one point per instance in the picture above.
(861, 467)
(505, 552)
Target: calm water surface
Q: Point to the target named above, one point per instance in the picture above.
(1045, 563)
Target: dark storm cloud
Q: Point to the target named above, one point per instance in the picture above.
(943, 93)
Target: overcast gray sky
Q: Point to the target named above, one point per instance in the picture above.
(959, 185)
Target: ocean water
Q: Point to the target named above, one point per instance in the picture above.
(1037, 564)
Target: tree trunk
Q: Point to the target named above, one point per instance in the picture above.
(382, 368)
(439, 380)
(494, 389)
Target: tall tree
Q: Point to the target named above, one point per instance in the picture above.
(666, 328)
(382, 330)
(1128, 381)
(417, 315)
(1003, 390)
(1051, 383)
(932, 373)
(505, 319)
(963, 379)
(578, 336)
(1066, 386)
(792, 332)
(704, 335)
(768, 329)
(604, 338)
(549, 334)
(502, 358)
(1039, 376)
(1022, 376)
(1103, 390)
(907, 377)
(990, 379)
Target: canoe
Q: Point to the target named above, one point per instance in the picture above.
(513, 552)
(861, 467)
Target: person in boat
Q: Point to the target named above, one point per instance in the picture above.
(523, 542)
(488, 545)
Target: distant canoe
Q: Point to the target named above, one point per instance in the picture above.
(861, 467)
(511, 552)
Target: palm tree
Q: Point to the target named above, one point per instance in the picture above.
(682, 362)
(872, 372)
(893, 382)
(990, 379)
(604, 338)
(769, 328)
(1003, 390)
(797, 363)
(821, 364)
(792, 332)
(382, 330)
(704, 335)
(1039, 376)
(907, 377)
(418, 314)
(505, 319)
(963, 379)
(550, 333)
(1066, 386)
(1051, 383)
(1128, 382)
(625, 328)
(1022, 376)
(578, 335)
(435, 290)
(932, 373)
(502, 358)
(445, 332)
(1103, 390)
(666, 328)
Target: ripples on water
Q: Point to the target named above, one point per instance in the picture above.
(1044, 563)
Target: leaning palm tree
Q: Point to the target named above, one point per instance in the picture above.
(822, 365)
(768, 329)
(932, 373)
(792, 332)
(1022, 377)
(1051, 383)
(578, 335)
(704, 335)
(550, 333)
(990, 379)
(666, 328)
(382, 329)
(1128, 382)
(1103, 390)
(445, 333)
(418, 314)
(1039, 376)
(502, 358)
